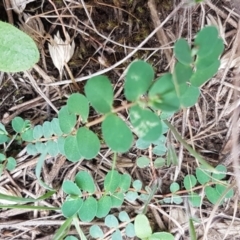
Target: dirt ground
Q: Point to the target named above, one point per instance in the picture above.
(105, 32)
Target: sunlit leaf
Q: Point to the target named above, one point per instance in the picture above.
(117, 199)
(52, 148)
(99, 92)
(18, 51)
(174, 187)
(146, 123)
(11, 163)
(47, 129)
(163, 95)
(125, 182)
(56, 127)
(212, 194)
(142, 226)
(37, 132)
(222, 171)
(143, 162)
(161, 235)
(138, 79)
(202, 175)
(116, 133)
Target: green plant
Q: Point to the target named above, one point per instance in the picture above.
(18, 51)
(143, 230)
(216, 189)
(149, 102)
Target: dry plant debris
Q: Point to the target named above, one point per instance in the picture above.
(108, 35)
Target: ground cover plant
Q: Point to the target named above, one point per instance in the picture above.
(71, 136)
(149, 101)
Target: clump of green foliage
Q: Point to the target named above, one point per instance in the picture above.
(150, 102)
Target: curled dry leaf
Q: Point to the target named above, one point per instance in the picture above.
(10, 191)
(19, 5)
(61, 51)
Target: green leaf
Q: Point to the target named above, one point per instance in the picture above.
(147, 124)
(67, 120)
(131, 196)
(3, 138)
(174, 187)
(99, 92)
(88, 143)
(40, 146)
(181, 75)
(11, 163)
(31, 149)
(206, 40)
(78, 104)
(143, 162)
(71, 149)
(142, 226)
(123, 216)
(159, 162)
(159, 150)
(28, 135)
(104, 206)
(202, 175)
(112, 181)
(2, 157)
(71, 188)
(96, 232)
(117, 199)
(37, 132)
(111, 221)
(203, 63)
(221, 190)
(88, 210)
(182, 51)
(70, 207)
(141, 144)
(222, 171)
(138, 79)
(71, 238)
(177, 199)
(190, 96)
(212, 194)
(85, 182)
(18, 52)
(125, 183)
(163, 95)
(137, 185)
(189, 181)
(3, 129)
(56, 127)
(60, 143)
(116, 134)
(117, 235)
(18, 124)
(195, 199)
(47, 129)
(202, 75)
(52, 148)
(161, 235)
(129, 230)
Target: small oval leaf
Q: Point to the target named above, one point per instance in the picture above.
(99, 92)
(85, 182)
(88, 210)
(116, 133)
(104, 206)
